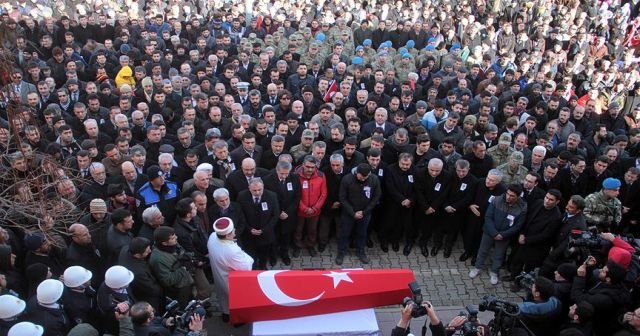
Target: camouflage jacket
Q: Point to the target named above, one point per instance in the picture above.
(601, 211)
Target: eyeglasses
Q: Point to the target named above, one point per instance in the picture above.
(285, 98)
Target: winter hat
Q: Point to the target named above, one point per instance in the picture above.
(620, 256)
(33, 241)
(97, 205)
(567, 271)
(585, 310)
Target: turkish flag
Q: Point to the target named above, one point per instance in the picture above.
(274, 295)
(333, 87)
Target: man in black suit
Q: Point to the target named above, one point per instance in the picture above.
(249, 149)
(287, 187)
(572, 219)
(262, 211)
(129, 179)
(380, 121)
(239, 179)
(530, 190)
(97, 188)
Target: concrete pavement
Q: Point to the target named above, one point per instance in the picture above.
(444, 282)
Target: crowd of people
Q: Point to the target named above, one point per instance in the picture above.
(398, 125)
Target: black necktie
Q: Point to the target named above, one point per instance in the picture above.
(256, 200)
(565, 218)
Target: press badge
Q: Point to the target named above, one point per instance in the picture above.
(491, 198)
(410, 177)
(463, 187)
(380, 172)
(437, 187)
(289, 186)
(305, 185)
(265, 206)
(510, 218)
(367, 192)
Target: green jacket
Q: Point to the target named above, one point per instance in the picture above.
(169, 272)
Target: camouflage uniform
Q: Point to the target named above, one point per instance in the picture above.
(509, 176)
(403, 70)
(602, 212)
(499, 157)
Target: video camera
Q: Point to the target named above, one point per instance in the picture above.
(470, 326)
(415, 299)
(588, 239)
(496, 305)
(182, 317)
(526, 280)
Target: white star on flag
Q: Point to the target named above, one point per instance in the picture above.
(338, 277)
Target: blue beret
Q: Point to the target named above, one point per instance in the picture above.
(320, 37)
(366, 42)
(356, 60)
(358, 48)
(611, 183)
(411, 44)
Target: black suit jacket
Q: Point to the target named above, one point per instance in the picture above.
(239, 154)
(140, 180)
(288, 192)
(262, 216)
(237, 182)
(234, 212)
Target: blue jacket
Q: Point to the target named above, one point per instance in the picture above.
(165, 200)
(540, 308)
(504, 219)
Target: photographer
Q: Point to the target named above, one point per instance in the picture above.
(580, 318)
(193, 239)
(541, 315)
(631, 321)
(146, 323)
(165, 264)
(562, 282)
(402, 328)
(608, 297)
(436, 326)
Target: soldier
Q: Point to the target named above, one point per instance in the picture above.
(603, 209)
(513, 171)
(500, 153)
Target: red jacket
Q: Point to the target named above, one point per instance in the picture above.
(314, 193)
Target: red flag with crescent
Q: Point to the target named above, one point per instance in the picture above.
(333, 87)
(275, 295)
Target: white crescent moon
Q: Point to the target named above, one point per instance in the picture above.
(268, 285)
